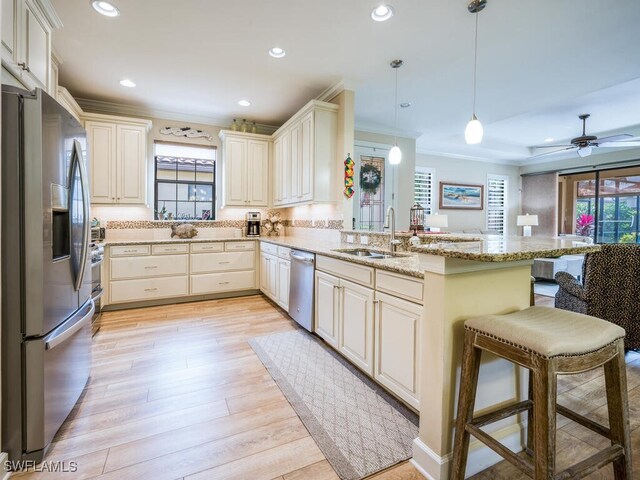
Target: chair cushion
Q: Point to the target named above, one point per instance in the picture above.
(548, 332)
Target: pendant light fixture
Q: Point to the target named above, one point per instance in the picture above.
(474, 131)
(395, 154)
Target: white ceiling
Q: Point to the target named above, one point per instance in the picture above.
(540, 64)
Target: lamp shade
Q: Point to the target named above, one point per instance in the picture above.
(435, 220)
(527, 220)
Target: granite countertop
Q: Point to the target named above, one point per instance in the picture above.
(406, 263)
(494, 248)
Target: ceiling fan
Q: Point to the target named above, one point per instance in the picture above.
(585, 143)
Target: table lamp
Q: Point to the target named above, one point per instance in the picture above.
(435, 222)
(526, 222)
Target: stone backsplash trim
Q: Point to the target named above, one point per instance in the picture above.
(151, 224)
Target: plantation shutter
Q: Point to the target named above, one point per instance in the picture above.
(497, 203)
(423, 183)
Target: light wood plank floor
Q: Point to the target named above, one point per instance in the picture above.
(176, 392)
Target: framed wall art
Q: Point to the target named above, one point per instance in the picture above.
(459, 196)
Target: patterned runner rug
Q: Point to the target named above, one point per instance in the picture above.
(359, 427)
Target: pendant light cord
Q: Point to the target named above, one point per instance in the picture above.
(395, 110)
(475, 67)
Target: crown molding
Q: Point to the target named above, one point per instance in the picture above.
(49, 12)
(336, 89)
(471, 158)
(111, 108)
(380, 130)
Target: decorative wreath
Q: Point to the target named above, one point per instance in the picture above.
(370, 178)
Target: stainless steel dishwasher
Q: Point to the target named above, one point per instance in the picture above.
(301, 288)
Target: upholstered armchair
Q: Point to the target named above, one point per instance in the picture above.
(611, 289)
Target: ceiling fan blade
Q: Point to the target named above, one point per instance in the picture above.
(619, 144)
(552, 146)
(613, 138)
(555, 151)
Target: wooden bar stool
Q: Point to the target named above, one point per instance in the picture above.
(549, 342)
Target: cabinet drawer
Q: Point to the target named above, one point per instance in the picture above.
(284, 252)
(222, 282)
(148, 288)
(350, 271)
(400, 285)
(269, 248)
(224, 261)
(169, 249)
(141, 267)
(130, 250)
(207, 247)
(235, 246)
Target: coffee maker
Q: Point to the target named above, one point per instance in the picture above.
(253, 224)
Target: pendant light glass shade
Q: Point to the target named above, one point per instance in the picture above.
(474, 131)
(395, 155)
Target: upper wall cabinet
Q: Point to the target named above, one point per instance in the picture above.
(26, 41)
(245, 169)
(305, 156)
(117, 149)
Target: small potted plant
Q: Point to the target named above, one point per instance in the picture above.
(161, 215)
(584, 225)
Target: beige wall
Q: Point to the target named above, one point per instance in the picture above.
(540, 197)
(472, 172)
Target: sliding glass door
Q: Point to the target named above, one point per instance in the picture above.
(606, 205)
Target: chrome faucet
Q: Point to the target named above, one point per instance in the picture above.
(390, 222)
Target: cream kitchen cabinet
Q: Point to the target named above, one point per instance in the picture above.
(245, 169)
(305, 159)
(372, 317)
(344, 318)
(144, 272)
(397, 347)
(327, 304)
(275, 268)
(118, 159)
(26, 41)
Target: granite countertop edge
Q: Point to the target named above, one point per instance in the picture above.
(508, 256)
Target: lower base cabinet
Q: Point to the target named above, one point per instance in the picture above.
(377, 332)
(149, 289)
(326, 307)
(275, 272)
(397, 347)
(356, 324)
(222, 282)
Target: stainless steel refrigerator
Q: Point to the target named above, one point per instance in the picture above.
(46, 270)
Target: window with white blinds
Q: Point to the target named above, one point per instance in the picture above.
(497, 186)
(423, 183)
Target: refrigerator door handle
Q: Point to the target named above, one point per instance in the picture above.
(62, 333)
(86, 230)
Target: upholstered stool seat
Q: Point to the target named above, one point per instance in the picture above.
(549, 342)
(548, 332)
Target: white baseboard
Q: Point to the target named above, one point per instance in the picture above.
(3, 471)
(435, 467)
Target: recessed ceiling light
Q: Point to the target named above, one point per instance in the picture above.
(105, 8)
(277, 52)
(244, 103)
(127, 83)
(405, 105)
(549, 140)
(382, 13)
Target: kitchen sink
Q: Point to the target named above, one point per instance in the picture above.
(371, 254)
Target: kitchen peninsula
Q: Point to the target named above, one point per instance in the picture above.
(418, 297)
